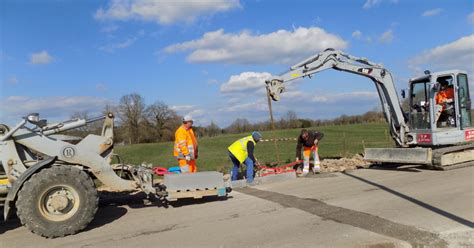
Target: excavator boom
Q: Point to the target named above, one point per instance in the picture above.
(334, 59)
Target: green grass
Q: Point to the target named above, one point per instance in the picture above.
(338, 141)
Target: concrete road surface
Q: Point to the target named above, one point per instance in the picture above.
(364, 208)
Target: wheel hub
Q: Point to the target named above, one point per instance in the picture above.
(59, 203)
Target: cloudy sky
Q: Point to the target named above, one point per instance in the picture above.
(210, 58)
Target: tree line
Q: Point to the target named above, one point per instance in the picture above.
(141, 123)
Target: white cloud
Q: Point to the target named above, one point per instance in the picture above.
(371, 3)
(458, 54)
(101, 87)
(386, 36)
(182, 108)
(257, 105)
(12, 80)
(59, 107)
(346, 97)
(245, 81)
(470, 18)
(279, 47)
(109, 29)
(163, 11)
(432, 12)
(198, 114)
(42, 57)
(212, 81)
(357, 34)
(110, 48)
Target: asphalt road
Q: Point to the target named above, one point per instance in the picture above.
(363, 208)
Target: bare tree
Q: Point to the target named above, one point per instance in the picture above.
(240, 125)
(292, 119)
(131, 108)
(157, 116)
(213, 129)
(170, 127)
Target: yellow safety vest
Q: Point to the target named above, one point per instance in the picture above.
(239, 148)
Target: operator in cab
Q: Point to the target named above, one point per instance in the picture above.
(443, 99)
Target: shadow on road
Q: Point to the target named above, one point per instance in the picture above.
(140, 200)
(186, 202)
(111, 208)
(106, 215)
(398, 167)
(12, 223)
(434, 209)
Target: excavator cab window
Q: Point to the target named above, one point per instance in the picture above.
(419, 104)
(464, 101)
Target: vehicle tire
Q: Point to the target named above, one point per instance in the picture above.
(57, 201)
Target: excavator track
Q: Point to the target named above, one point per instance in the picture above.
(453, 157)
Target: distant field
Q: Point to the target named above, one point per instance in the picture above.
(343, 140)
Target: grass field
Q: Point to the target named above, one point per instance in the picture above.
(343, 140)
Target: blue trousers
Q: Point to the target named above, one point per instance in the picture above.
(235, 170)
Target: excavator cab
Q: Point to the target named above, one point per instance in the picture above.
(440, 108)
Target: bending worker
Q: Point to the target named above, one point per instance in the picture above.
(185, 146)
(241, 152)
(309, 141)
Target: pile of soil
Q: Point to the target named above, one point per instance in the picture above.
(343, 164)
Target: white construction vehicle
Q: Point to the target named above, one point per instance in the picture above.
(48, 178)
(438, 135)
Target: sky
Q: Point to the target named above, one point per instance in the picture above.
(210, 58)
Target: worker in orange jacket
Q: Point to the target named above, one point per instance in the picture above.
(444, 97)
(185, 146)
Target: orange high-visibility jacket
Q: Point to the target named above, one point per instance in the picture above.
(185, 143)
(444, 95)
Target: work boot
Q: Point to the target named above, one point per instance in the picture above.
(316, 169)
(305, 172)
(251, 184)
(298, 172)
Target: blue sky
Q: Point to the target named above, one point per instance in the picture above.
(210, 57)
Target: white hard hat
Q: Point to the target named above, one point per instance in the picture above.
(188, 118)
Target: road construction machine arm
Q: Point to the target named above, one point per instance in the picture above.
(338, 60)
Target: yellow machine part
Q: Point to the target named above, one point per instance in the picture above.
(4, 181)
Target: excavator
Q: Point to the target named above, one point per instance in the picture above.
(438, 135)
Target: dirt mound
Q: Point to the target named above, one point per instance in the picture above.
(342, 164)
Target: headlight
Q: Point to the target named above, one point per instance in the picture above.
(33, 118)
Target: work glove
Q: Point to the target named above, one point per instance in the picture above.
(316, 142)
(297, 159)
(187, 157)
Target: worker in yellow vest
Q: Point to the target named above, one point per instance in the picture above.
(241, 152)
(185, 146)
